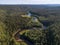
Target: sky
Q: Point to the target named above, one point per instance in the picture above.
(29, 1)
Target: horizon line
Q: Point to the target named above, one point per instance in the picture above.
(29, 4)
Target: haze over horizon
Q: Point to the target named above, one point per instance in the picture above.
(29, 1)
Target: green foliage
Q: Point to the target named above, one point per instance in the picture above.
(34, 23)
(11, 20)
(2, 15)
(36, 36)
(2, 32)
(55, 28)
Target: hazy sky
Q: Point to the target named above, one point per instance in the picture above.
(29, 1)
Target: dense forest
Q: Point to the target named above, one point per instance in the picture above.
(29, 25)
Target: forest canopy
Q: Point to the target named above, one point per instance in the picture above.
(42, 27)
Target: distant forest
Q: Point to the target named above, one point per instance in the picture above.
(29, 25)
